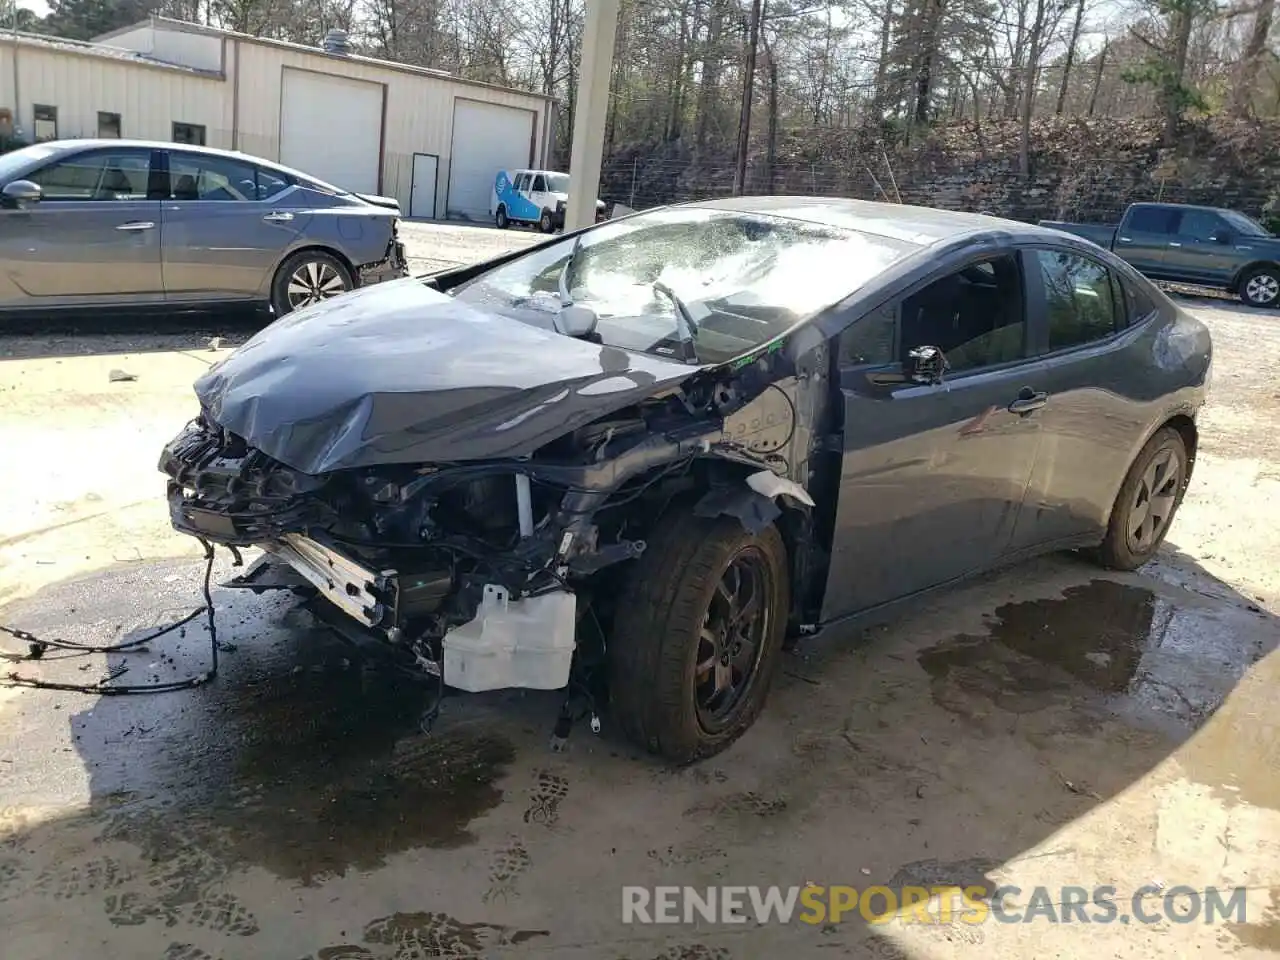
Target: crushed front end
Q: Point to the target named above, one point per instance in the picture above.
(473, 568)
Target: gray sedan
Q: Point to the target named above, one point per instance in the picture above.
(666, 444)
(107, 223)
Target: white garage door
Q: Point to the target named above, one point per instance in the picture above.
(486, 138)
(331, 128)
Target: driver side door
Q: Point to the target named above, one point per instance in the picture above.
(933, 474)
(92, 239)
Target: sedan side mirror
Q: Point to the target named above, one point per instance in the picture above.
(19, 192)
(926, 365)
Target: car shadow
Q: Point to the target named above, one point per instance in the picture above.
(945, 748)
(30, 337)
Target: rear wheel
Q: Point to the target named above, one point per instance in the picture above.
(1148, 499)
(697, 636)
(1260, 287)
(500, 218)
(308, 277)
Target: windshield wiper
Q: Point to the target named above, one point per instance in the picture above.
(565, 299)
(686, 327)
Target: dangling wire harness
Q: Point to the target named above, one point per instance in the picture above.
(37, 646)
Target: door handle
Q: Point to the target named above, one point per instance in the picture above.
(1173, 244)
(1028, 401)
(278, 217)
(1124, 240)
(134, 225)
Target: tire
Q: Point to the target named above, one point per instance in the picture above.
(669, 608)
(1260, 287)
(1147, 482)
(500, 218)
(322, 274)
(547, 223)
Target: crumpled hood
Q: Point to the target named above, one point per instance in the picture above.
(400, 373)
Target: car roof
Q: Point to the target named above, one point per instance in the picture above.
(923, 226)
(61, 147)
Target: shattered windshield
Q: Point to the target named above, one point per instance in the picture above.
(742, 279)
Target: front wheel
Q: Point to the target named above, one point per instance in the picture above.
(1149, 497)
(1260, 287)
(697, 636)
(308, 277)
(547, 222)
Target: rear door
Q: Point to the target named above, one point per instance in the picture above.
(933, 475)
(1202, 249)
(1143, 237)
(93, 238)
(1092, 372)
(227, 223)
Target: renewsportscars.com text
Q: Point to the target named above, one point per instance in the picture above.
(815, 904)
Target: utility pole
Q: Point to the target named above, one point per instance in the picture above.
(591, 107)
(748, 85)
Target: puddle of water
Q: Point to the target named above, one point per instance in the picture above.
(1134, 648)
(300, 757)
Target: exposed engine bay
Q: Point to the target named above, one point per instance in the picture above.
(490, 572)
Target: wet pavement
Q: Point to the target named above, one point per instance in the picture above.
(1052, 724)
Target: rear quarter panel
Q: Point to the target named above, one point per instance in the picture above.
(359, 235)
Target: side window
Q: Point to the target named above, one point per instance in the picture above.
(271, 183)
(195, 177)
(1200, 224)
(869, 340)
(522, 183)
(1152, 220)
(976, 316)
(1079, 296)
(1138, 305)
(106, 175)
(539, 184)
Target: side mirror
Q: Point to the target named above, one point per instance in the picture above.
(18, 192)
(578, 321)
(926, 365)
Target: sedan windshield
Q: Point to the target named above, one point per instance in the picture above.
(742, 279)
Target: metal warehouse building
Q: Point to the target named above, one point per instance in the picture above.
(432, 141)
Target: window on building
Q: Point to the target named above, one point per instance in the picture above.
(194, 177)
(45, 122)
(111, 175)
(976, 315)
(192, 133)
(108, 126)
(1080, 298)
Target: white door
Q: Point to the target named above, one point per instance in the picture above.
(331, 128)
(486, 138)
(422, 196)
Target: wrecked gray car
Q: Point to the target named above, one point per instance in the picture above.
(637, 459)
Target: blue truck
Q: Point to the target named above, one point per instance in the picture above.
(1204, 246)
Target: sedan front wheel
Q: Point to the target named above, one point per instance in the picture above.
(697, 636)
(308, 277)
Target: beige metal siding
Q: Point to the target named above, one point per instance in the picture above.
(419, 116)
(148, 99)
